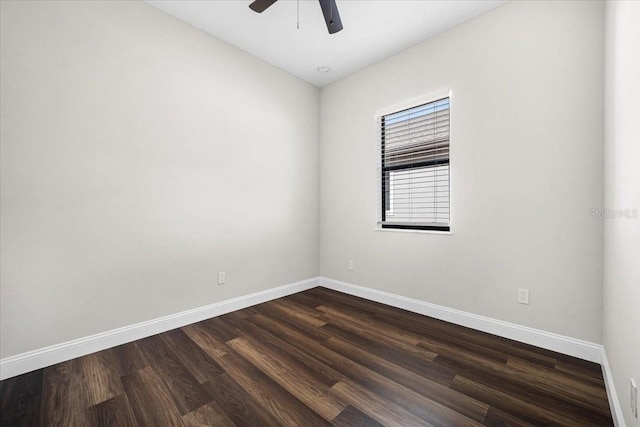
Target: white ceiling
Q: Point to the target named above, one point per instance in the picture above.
(373, 30)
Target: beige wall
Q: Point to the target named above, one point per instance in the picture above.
(622, 191)
(526, 142)
(140, 157)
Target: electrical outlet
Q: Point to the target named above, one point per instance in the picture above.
(634, 398)
(222, 278)
(350, 264)
(523, 296)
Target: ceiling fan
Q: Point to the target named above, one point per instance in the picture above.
(329, 10)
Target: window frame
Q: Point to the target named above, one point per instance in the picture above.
(383, 195)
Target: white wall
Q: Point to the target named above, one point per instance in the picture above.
(622, 191)
(526, 142)
(139, 157)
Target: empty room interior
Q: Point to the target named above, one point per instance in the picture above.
(319, 212)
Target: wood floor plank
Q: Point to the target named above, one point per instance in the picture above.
(498, 418)
(430, 411)
(102, 376)
(20, 400)
(377, 332)
(519, 389)
(315, 358)
(221, 332)
(351, 417)
(398, 344)
(279, 402)
(242, 409)
(493, 347)
(205, 340)
(589, 392)
(282, 349)
(305, 299)
(411, 360)
(510, 350)
(64, 395)
(525, 409)
(594, 377)
(377, 373)
(298, 383)
(392, 335)
(210, 414)
(311, 332)
(149, 399)
(185, 390)
(115, 412)
(299, 313)
(543, 352)
(440, 341)
(129, 357)
(246, 312)
(420, 327)
(193, 358)
(375, 407)
(430, 327)
(561, 389)
(284, 330)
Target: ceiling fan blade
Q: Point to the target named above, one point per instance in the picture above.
(331, 15)
(261, 5)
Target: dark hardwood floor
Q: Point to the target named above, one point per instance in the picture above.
(312, 359)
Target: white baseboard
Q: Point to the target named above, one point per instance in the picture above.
(559, 343)
(555, 342)
(616, 410)
(37, 359)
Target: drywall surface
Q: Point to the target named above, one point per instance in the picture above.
(141, 156)
(526, 82)
(621, 333)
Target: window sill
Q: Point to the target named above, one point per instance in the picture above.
(404, 230)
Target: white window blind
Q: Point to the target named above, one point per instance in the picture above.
(414, 168)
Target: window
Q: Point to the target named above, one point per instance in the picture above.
(414, 168)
